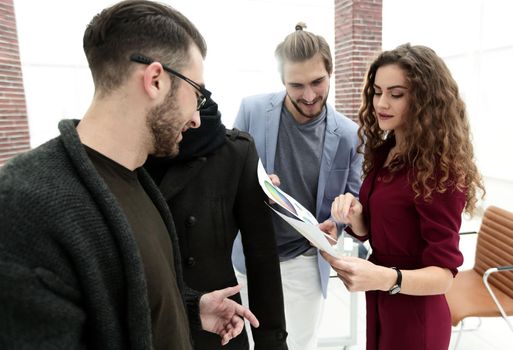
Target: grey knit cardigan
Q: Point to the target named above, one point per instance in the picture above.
(70, 273)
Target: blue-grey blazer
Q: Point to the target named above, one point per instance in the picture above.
(341, 165)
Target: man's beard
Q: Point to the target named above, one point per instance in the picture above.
(165, 123)
(300, 111)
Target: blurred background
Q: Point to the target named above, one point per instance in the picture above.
(473, 36)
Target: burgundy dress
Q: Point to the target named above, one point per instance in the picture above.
(409, 233)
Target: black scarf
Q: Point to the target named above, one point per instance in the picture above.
(196, 143)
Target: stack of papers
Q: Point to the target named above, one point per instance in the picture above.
(304, 222)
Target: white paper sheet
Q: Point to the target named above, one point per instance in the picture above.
(305, 224)
(312, 233)
(282, 199)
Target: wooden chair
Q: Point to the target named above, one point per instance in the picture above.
(487, 289)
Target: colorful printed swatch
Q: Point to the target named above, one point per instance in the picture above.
(279, 198)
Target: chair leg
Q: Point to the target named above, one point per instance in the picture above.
(487, 285)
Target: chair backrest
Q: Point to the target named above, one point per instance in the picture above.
(495, 247)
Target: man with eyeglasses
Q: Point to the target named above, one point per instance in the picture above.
(89, 257)
(202, 94)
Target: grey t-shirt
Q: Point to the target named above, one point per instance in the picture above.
(297, 164)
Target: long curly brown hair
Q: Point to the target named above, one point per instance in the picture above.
(437, 133)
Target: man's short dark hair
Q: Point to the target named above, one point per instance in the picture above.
(137, 26)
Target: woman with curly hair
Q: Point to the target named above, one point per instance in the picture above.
(419, 176)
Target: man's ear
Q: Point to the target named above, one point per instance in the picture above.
(153, 80)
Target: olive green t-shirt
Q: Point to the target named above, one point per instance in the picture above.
(168, 317)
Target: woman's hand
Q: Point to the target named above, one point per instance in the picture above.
(330, 230)
(360, 275)
(348, 210)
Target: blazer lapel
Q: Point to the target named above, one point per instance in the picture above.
(331, 140)
(272, 124)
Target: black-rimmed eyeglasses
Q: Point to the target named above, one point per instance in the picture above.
(203, 95)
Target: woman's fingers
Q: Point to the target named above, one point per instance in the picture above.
(341, 207)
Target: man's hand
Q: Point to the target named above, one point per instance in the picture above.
(224, 316)
(276, 182)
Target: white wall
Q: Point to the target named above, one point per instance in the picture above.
(474, 36)
(241, 36)
(475, 39)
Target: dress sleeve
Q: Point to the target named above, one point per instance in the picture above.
(440, 221)
(349, 230)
